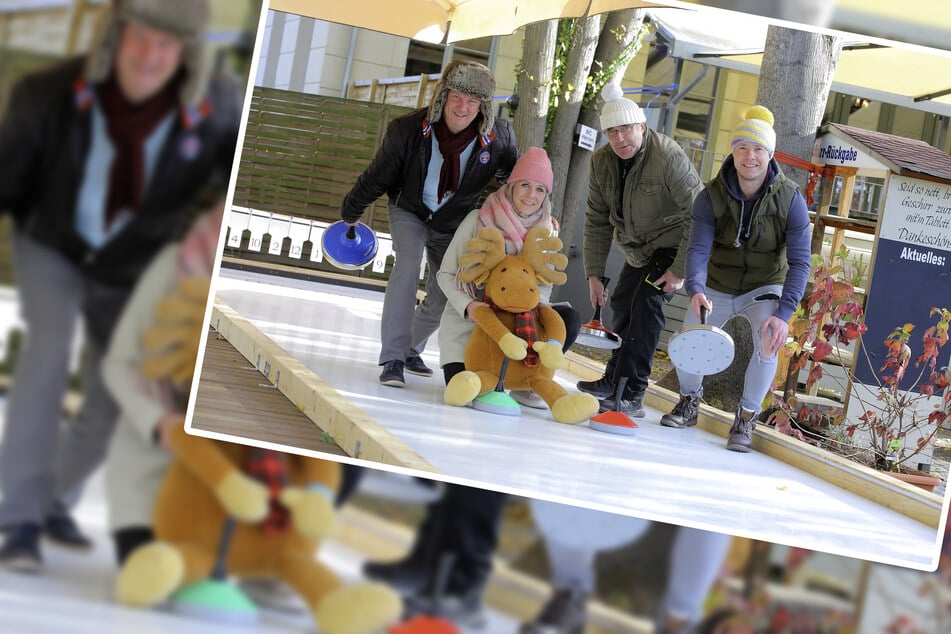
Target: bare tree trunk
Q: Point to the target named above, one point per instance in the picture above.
(620, 30)
(795, 79)
(534, 84)
(584, 40)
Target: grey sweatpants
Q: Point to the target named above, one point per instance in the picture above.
(756, 307)
(43, 459)
(573, 537)
(405, 327)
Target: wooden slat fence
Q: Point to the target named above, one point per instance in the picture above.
(302, 153)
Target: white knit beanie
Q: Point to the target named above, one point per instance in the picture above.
(756, 127)
(186, 19)
(617, 109)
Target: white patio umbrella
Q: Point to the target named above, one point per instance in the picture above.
(429, 20)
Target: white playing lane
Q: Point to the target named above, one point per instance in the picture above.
(677, 476)
(73, 594)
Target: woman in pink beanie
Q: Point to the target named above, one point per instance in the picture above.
(522, 203)
(474, 514)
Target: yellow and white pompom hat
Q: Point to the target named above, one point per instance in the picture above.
(756, 127)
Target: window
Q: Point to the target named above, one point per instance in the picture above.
(866, 197)
(424, 57)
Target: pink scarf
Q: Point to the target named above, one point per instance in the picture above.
(498, 212)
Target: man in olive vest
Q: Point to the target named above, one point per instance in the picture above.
(748, 255)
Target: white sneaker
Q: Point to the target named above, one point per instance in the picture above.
(528, 398)
(273, 594)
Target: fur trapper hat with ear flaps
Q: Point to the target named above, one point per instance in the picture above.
(186, 19)
(471, 78)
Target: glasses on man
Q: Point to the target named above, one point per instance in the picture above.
(619, 129)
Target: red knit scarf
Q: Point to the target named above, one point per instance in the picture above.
(129, 125)
(451, 146)
(526, 327)
(269, 467)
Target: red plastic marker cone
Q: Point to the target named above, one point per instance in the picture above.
(615, 422)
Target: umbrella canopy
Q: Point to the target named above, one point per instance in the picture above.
(456, 20)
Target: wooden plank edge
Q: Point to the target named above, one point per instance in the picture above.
(359, 435)
(303, 272)
(875, 486)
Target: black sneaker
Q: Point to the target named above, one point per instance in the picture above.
(741, 434)
(406, 576)
(631, 404)
(684, 413)
(463, 609)
(61, 529)
(602, 388)
(21, 548)
(393, 374)
(415, 365)
(565, 613)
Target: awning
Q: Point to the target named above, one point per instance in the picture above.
(923, 22)
(873, 68)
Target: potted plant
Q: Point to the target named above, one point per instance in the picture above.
(894, 418)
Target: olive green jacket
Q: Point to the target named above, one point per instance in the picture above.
(659, 191)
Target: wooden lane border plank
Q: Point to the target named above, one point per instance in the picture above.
(875, 486)
(302, 272)
(359, 435)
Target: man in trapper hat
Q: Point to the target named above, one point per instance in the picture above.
(642, 187)
(749, 255)
(432, 164)
(100, 156)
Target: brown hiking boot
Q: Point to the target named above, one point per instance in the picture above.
(684, 413)
(741, 434)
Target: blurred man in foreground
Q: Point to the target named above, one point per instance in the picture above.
(100, 158)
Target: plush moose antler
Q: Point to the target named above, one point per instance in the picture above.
(482, 254)
(512, 324)
(542, 252)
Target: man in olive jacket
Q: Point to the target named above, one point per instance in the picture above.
(642, 187)
(100, 158)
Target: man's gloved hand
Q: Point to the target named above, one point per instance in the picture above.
(171, 343)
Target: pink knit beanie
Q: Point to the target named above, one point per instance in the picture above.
(533, 165)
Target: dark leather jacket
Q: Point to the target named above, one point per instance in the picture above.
(399, 170)
(44, 141)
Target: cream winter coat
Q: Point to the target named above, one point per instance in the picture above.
(135, 464)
